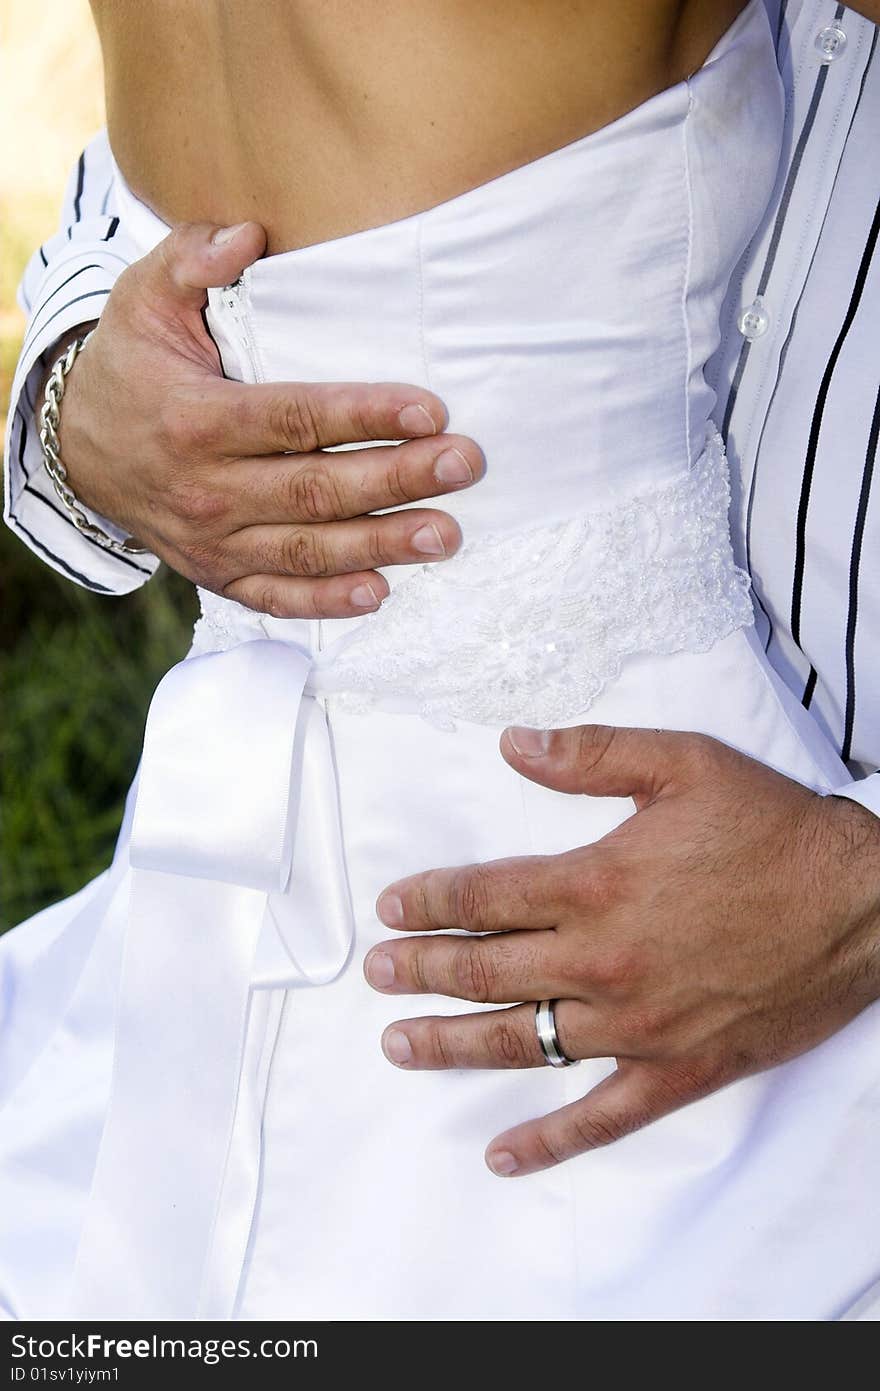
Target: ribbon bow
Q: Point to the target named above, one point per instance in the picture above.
(238, 891)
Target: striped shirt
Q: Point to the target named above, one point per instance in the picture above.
(798, 381)
(796, 375)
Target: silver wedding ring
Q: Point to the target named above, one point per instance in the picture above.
(545, 1026)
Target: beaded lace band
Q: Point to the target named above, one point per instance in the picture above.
(532, 625)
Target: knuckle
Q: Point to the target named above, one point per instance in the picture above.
(686, 1079)
(593, 743)
(313, 495)
(472, 974)
(508, 1043)
(194, 503)
(605, 882)
(596, 1128)
(314, 601)
(646, 1029)
(265, 597)
(355, 409)
(414, 966)
(293, 422)
(471, 899)
(206, 558)
(436, 1045)
(303, 553)
(377, 548)
(550, 1149)
(188, 425)
(197, 429)
(397, 481)
(426, 898)
(614, 969)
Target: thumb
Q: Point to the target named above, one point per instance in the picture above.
(196, 255)
(601, 760)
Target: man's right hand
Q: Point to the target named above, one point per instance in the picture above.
(227, 482)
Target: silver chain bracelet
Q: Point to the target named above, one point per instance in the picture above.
(50, 420)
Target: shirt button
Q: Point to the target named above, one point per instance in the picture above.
(830, 43)
(754, 321)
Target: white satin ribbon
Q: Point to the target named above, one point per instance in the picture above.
(238, 880)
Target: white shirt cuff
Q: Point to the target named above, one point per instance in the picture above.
(865, 790)
(72, 290)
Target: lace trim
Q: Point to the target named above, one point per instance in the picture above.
(531, 626)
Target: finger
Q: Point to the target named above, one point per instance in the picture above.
(337, 596)
(634, 1096)
(502, 1038)
(602, 760)
(346, 483)
(271, 418)
(496, 970)
(411, 537)
(194, 256)
(490, 897)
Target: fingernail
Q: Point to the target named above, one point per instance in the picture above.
(502, 1163)
(529, 743)
(415, 420)
(390, 909)
(224, 235)
(396, 1047)
(428, 541)
(452, 467)
(363, 596)
(379, 970)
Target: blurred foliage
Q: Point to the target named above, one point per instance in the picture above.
(76, 669)
(78, 673)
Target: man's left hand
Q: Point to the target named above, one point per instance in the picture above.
(732, 923)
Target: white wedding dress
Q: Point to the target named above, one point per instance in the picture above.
(196, 1119)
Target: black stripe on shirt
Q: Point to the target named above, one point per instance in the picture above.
(776, 235)
(35, 327)
(92, 294)
(810, 686)
(753, 485)
(43, 257)
(116, 555)
(816, 427)
(781, 16)
(68, 569)
(80, 180)
(111, 231)
(22, 441)
(854, 564)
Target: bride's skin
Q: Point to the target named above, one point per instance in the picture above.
(321, 117)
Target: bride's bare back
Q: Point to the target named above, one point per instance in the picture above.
(322, 117)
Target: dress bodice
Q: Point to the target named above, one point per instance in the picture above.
(564, 312)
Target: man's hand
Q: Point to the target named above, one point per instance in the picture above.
(730, 924)
(228, 482)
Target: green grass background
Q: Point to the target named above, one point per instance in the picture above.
(78, 671)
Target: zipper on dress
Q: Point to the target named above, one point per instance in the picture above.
(233, 297)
